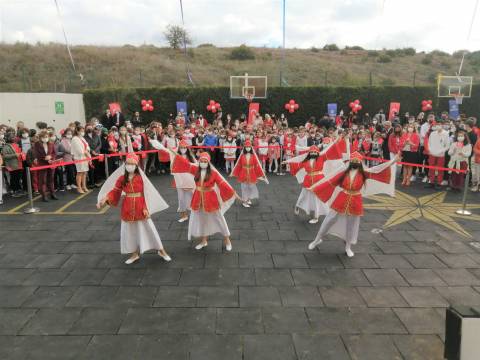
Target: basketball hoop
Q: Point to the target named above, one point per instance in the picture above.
(458, 99)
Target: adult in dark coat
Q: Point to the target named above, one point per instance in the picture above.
(44, 153)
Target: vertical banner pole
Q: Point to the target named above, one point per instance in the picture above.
(30, 209)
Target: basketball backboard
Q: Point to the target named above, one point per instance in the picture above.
(454, 86)
(248, 86)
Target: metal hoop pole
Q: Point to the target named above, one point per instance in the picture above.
(105, 159)
(31, 209)
(463, 210)
(281, 173)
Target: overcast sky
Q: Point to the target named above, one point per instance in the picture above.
(374, 24)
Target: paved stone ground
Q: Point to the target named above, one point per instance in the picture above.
(66, 294)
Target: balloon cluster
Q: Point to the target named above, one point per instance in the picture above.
(147, 105)
(213, 106)
(291, 106)
(426, 105)
(355, 106)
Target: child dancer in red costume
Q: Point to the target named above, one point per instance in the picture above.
(137, 232)
(344, 192)
(248, 171)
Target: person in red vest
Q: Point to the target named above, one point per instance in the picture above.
(13, 160)
(44, 153)
(347, 187)
(201, 122)
(409, 144)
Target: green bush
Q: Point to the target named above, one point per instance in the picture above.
(439, 53)
(242, 52)
(427, 60)
(314, 49)
(205, 45)
(331, 47)
(355, 47)
(373, 53)
(384, 58)
(313, 100)
(409, 51)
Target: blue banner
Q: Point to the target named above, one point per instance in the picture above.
(453, 109)
(332, 110)
(182, 107)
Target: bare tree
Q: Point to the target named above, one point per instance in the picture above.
(176, 36)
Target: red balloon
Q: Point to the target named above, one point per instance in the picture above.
(351, 105)
(217, 105)
(209, 107)
(429, 102)
(150, 102)
(356, 101)
(359, 107)
(291, 102)
(214, 110)
(143, 102)
(144, 108)
(291, 111)
(212, 102)
(287, 106)
(424, 102)
(295, 106)
(151, 108)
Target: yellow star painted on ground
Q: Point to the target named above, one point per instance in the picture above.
(431, 207)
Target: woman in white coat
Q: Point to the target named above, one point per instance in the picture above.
(80, 151)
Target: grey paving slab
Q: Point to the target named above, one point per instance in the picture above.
(15, 296)
(218, 296)
(124, 347)
(460, 295)
(385, 277)
(261, 260)
(458, 261)
(347, 277)
(291, 261)
(457, 277)
(421, 321)
(274, 277)
(341, 296)
(131, 296)
(425, 261)
(175, 347)
(416, 347)
(311, 277)
(371, 347)
(15, 276)
(422, 297)
(78, 277)
(92, 296)
(13, 320)
(269, 347)
(381, 296)
(239, 321)
(50, 296)
(281, 320)
(422, 277)
(98, 321)
(259, 296)
(175, 296)
(214, 347)
(51, 321)
(391, 261)
(83, 261)
(46, 277)
(300, 296)
(320, 347)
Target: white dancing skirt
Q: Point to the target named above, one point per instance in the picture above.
(203, 223)
(249, 191)
(184, 200)
(309, 202)
(343, 226)
(139, 236)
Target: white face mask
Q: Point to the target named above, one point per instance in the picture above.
(82, 134)
(183, 150)
(410, 130)
(203, 165)
(25, 135)
(248, 148)
(44, 140)
(53, 138)
(461, 138)
(2, 136)
(130, 168)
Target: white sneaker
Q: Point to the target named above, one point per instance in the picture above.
(74, 186)
(413, 178)
(425, 179)
(181, 220)
(313, 221)
(349, 252)
(132, 260)
(249, 202)
(201, 246)
(69, 187)
(444, 183)
(314, 244)
(245, 205)
(165, 257)
(296, 211)
(228, 247)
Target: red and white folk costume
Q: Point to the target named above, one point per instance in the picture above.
(184, 183)
(140, 201)
(211, 198)
(248, 170)
(343, 191)
(311, 167)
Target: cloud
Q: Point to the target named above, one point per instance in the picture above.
(424, 25)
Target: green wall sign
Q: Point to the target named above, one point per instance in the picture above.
(59, 107)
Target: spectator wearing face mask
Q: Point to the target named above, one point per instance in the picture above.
(58, 172)
(409, 145)
(44, 152)
(13, 161)
(201, 122)
(476, 167)
(438, 145)
(460, 151)
(67, 157)
(95, 145)
(81, 151)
